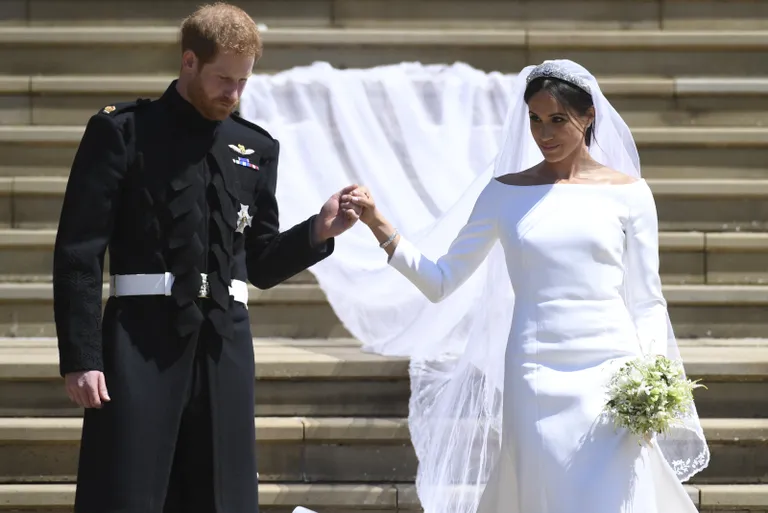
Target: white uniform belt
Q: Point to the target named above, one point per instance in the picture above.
(161, 284)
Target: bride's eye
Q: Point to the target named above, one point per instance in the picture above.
(534, 117)
(559, 119)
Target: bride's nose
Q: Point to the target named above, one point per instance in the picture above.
(546, 133)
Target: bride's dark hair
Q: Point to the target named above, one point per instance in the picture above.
(573, 98)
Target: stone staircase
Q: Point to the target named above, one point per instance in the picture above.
(689, 76)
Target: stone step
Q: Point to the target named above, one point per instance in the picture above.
(657, 165)
(686, 257)
(710, 153)
(643, 101)
(125, 50)
(554, 14)
(683, 204)
(359, 498)
(294, 377)
(301, 310)
(321, 378)
(341, 450)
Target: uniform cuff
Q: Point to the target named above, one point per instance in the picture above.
(322, 247)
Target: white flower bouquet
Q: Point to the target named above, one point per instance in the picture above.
(649, 395)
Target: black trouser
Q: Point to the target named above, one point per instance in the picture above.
(190, 488)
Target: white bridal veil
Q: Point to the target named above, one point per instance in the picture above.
(456, 348)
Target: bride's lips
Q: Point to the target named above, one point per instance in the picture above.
(549, 147)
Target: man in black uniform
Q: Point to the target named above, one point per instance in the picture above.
(182, 192)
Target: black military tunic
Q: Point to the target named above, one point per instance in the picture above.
(161, 188)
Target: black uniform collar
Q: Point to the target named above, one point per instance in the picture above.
(188, 116)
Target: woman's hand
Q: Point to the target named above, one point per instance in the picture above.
(384, 232)
(361, 197)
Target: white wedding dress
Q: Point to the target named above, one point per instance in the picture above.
(566, 247)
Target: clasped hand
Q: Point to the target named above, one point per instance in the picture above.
(342, 211)
(360, 198)
(335, 216)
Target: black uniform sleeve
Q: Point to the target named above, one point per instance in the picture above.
(271, 256)
(84, 231)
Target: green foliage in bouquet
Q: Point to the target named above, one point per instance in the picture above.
(650, 395)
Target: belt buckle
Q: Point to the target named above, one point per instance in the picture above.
(205, 288)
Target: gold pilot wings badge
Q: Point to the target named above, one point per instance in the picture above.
(242, 150)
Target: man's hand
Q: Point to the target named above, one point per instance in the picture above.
(87, 389)
(333, 220)
(361, 197)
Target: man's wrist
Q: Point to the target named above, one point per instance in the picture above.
(316, 235)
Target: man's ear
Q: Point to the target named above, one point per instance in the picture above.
(189, 60)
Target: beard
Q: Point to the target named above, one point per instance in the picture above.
(216, 109)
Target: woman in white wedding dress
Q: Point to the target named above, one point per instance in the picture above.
(579, 233)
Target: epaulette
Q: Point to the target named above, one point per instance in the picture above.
(121, 107)
(253, 126)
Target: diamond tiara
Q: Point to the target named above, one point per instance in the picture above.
(552, 70)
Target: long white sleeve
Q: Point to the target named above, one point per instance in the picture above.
(646, 301)
(438, 280)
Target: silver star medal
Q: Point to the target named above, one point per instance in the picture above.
(243, 219)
